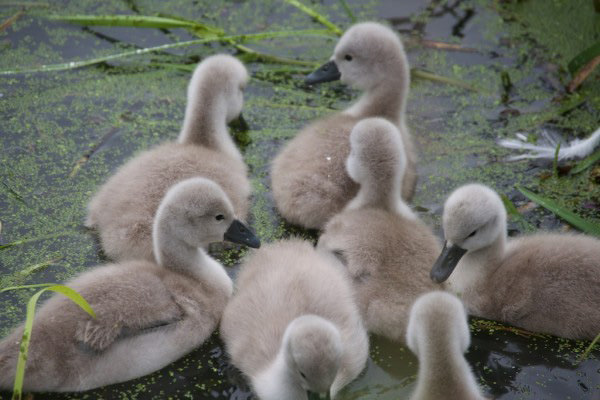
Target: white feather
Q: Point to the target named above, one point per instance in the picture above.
(576, 149)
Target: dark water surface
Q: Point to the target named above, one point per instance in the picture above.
(63, 133)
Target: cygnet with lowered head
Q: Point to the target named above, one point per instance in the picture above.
(309, 181)
(545, 282)
(438, 334)
(123, 209)
(292, 325)
(387, 251)
(147, 314)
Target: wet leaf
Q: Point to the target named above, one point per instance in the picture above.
(573, 219)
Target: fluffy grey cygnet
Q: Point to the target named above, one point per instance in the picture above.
(292, 325)
(438, 334)
(147, 314)
(309, 181)
(123, 209)
(544, 282)
(387, 251)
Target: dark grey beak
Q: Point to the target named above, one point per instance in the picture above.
(240, 233)
(325, 73)
(446, 262)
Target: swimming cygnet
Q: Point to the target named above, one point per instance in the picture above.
(147, 314)
(123, 209)
(388, 252)
(546, 282)
(309, 181)
(438, 334)
(292, 325)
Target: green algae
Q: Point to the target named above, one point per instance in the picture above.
(114, 110)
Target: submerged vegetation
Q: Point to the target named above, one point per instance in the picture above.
(519, 67)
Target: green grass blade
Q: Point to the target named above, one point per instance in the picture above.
(320, 18)
(79, 64)
(583, 58)
(573, 219)
(348, 11)
(586, 163)
(589, 349)
(137, 21)
(26, 287)
(24, 346)
(421, 74)
(512, 211)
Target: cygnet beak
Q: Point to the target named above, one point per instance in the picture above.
(240, 233)
(446, 262)
(325, 73)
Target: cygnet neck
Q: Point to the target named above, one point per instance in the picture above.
(444, 373)
(205, 124)
(387, 99)
(279, 380)
(178, 256)
(489, 255)
(383, 194)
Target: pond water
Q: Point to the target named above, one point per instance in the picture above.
(63, 133)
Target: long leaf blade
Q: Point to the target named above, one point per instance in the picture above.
(84, 63)
(26, 287)
(575, 220)
(24, 346)
(320, 18)
(137, 21)
(586, 163)
(584, 57)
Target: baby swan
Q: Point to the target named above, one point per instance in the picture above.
(386, 249)
(438, 334)
(292, 325)
(147, 314)
(123, 209)
(546, 283)
(309, 181)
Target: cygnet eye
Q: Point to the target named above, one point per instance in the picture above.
(220, 217)
(302, 374)
(348, 57)
(472, 233)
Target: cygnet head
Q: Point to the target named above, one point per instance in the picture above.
(437, 320)
(366, 55)
(196, 212)
(314, 351)
(220, 78)
(474, 217)
(376, 153)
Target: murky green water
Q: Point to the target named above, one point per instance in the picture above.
(104, 114)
